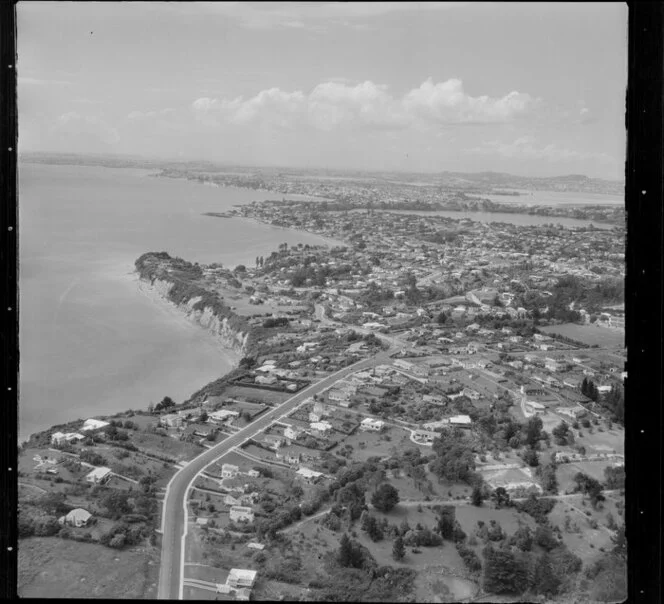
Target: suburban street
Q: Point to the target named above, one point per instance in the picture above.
(174, 516)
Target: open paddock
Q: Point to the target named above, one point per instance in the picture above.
(508, 518)
(50, 566)
(589, 334)
(256, 395)
(158, 445)
(608, 441)
(567, 471)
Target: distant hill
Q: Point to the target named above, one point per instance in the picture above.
(472, 182)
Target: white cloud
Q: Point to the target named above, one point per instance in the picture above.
(339, 104)
(448, 102)
(526, 148)
(311, 15)
(142, 115)
(91, 128)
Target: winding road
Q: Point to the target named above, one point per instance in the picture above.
(174, 511)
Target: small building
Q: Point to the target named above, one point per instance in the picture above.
(241, 513)
(77, 517)
(93, 424)
(171, 420)
(254, 545)
(322, 428)
(535, 407)
(99, 475)
(371, 425)
(293, 432)
(273, 441)
(308, 474)
(58, 438)
(229, 470)
(461, 420)
(222, 416)
(573, 412)
(424, 437)
(240, 578)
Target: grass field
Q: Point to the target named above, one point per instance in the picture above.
(589, 334)
(51, 567)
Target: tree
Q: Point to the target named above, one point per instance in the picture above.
(398, 549)
(446, 522)
(531, 458)
(500, 497)
(385, 497)
(166, 403)
(562, 434)
(503, 572)
(546, 582)
(533, 430)
(441, 319)
(203, 417)
(476, 496)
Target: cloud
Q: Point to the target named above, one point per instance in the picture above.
(310, 15)
(337, 103)
(90, 128)
(526, 148)
(448, 102)
(143, 115)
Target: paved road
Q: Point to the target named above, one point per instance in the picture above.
(174, 517)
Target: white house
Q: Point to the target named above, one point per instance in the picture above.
(336, 394)
(172, 420)
(229, 470)
(58, 438)
(293, 432)
(323, 428)
(240, 578)
(535, 407)
(223, 415)
(573, 412)
(241, 513)
(77, 517)
(308, 474)
(424, 437)
(93, 424)
(370, 424)
(460, 420)
(99, 475)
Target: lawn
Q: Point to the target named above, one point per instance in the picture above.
(589, 334)
(608, 441)
(567, 471)
(508, 518)
(164, 446)
(51, 567)
(257, 395)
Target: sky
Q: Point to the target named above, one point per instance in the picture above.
(535, 89)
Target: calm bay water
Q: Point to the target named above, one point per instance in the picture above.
(90, 342)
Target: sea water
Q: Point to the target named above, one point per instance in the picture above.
(91, 342)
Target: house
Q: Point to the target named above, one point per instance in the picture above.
(336, 394)
(254, 545)
(273, 441)
(322, 428)
(266, 380)
(534, 407)
(573, 412)
(309, 475)
(93, 424)
(293, 432)
(460, 420)
(471, 394)
(58, 438)
(77, 517)
(222, 416)
(241, 513)
(172, 420)
(241, 578)
(99, 475)
(372, 425)
(229, 470)
(424, 437)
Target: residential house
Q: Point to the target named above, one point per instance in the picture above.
(372, 425)
(229, 470)
(321, 428)
(77, 517)
(239, 513)
(273, 441)
(461, 420)
(222, 416)
(424, 437)
(99, 475)
(293, 432)
(309, 475)
(171, 420)
(93, 424)
(241, 578)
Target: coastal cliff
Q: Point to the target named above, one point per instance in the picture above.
(175, 280)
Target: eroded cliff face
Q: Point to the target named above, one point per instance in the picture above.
(229, 337)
